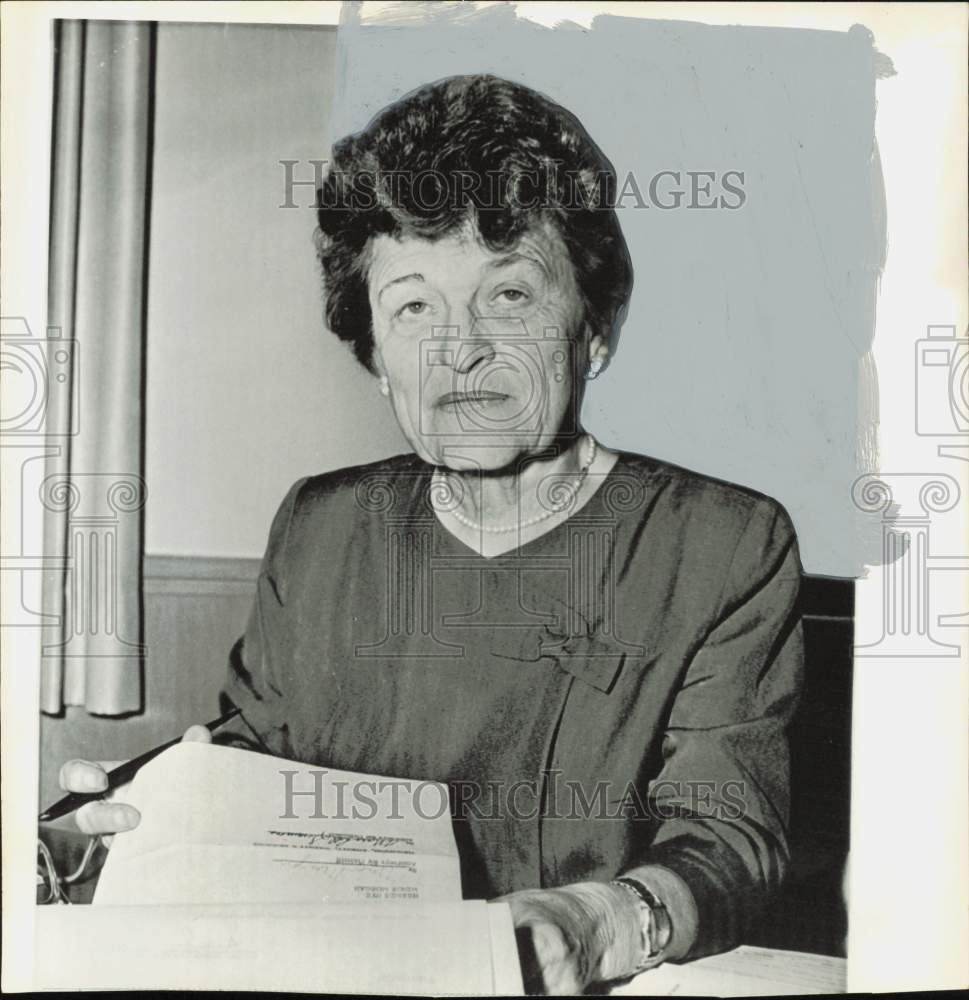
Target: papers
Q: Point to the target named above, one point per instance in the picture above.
(392, 948)
(224, 825)
(744, 972)
(278, 876)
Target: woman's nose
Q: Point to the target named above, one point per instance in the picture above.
(474, 347)
(473, 353)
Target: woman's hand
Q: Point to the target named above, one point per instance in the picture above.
(571, 937)
(111, 815)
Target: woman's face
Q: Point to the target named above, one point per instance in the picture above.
(481, 350)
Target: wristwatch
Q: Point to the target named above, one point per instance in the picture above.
(655, 919)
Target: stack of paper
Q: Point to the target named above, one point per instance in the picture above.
(744, 972)
(223, 825)
(254, 873)
(429, 949)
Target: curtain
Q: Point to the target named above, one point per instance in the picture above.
(93, 492)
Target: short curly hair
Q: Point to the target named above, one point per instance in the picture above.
(469, 148)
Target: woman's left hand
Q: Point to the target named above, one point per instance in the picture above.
(572, 937)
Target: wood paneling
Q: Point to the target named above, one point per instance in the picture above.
(195, 609)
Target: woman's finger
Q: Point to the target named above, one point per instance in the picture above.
(106, 817)
(82, 776)
(555, 959)
(549, 964)
(550, 946)
(556, 972)
(111, 814)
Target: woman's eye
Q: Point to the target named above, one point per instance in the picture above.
(414, 308)
(514, 295)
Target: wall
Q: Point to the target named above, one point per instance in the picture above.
(745, 353)
(246, 391)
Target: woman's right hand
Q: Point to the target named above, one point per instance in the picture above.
(112, 814)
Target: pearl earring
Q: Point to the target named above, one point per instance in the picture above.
(384, 385)
(595, 367)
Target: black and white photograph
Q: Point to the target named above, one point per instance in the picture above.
(485, 498)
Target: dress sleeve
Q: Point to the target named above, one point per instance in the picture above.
(256, 663)
(723, 792)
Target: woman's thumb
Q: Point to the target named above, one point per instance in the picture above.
(197, 734)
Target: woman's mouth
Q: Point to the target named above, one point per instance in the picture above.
(477, 398)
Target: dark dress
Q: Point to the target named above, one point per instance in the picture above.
(610, 695)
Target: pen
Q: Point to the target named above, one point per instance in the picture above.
(121, 775)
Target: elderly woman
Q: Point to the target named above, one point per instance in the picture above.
(596, 650)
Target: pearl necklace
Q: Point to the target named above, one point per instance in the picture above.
(440, 487)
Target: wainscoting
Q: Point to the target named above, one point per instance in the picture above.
(195, 609)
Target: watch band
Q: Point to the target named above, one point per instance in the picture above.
(657, 927)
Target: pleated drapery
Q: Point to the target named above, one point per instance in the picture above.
(93, 491)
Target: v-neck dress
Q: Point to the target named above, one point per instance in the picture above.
(610, 695)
